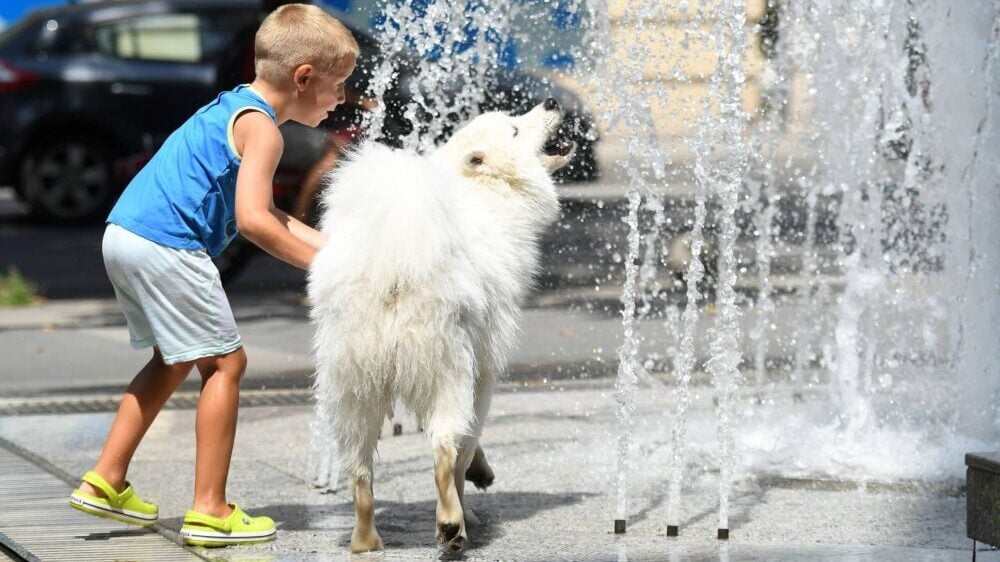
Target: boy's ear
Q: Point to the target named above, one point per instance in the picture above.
(302, 75)
(474, 160)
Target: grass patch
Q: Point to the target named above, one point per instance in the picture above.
(15, 291)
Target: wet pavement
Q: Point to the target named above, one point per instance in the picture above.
(553, 499)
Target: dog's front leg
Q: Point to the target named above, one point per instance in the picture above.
(450, 519)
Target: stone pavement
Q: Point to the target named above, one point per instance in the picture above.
(553, 499)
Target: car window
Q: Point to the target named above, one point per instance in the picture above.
(21, 37)
(164, 37)
(219, 29)
(181, 37)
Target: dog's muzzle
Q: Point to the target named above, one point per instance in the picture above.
(556, 146)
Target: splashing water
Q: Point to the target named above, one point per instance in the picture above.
(860, 102)
(880, 96)
(642, 167)
(449, 50)
(725, 335)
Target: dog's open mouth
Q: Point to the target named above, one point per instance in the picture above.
(556, 146)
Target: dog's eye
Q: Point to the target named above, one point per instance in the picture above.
(515, 131)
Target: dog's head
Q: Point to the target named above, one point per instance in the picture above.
(518, 150)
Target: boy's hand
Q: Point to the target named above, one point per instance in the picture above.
(259, 142)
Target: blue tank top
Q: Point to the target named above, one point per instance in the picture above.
(185, 196)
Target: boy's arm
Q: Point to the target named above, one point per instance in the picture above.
(280, 235)
(299, 229)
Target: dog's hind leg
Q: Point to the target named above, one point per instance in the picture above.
(472, 464)
(357, 436)
(449, 426)
(364, 538)
(479, 472)
(450, 519)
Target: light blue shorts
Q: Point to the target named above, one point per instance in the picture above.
(171, 298)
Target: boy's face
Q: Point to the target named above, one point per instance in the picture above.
(322, 93)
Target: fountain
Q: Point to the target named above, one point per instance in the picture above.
(839, 230)
(889, 221)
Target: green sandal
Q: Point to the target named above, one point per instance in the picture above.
(124, 506)
(239, 528)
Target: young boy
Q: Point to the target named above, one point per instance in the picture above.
(212, 177)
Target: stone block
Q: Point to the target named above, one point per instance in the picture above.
(983, 497)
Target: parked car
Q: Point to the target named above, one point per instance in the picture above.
(85, 86)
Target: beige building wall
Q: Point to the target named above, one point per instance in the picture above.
(676, 72)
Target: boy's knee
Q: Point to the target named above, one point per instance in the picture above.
(231, 365)
(170, 369)
(239, 358)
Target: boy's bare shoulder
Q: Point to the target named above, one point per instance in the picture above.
(258, 132)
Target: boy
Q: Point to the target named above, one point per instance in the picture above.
(211, 177)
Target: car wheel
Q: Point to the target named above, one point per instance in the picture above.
(68, 178)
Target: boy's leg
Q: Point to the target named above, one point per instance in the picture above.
(145, 396)
(215, 429)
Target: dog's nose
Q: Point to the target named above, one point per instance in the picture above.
(551, 104)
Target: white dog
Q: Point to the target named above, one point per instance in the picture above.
(416, 295)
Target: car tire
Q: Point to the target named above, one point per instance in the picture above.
(68, 178)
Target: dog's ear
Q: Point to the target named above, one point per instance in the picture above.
(474, 160)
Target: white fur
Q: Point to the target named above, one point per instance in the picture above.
(416, 295)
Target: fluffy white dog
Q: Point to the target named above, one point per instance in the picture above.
(416, 296)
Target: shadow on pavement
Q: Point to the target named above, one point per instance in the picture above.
(106, 536)
(740, 504)
(404, 525)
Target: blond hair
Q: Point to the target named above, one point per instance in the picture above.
(297, 34)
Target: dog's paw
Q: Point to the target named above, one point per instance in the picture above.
(480, 474)
(456, 544)
(365, 543)
(451, 536)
